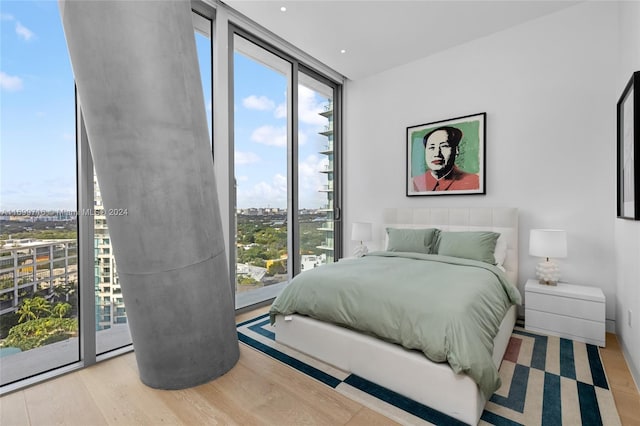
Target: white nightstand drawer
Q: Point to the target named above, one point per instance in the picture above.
(569, 327)
(567, 310)
(572, 307)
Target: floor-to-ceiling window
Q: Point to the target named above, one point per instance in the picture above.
(38, 237)
(286, 207)
(261, 144)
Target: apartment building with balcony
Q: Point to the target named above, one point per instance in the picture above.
(110, 308)
(328, 209)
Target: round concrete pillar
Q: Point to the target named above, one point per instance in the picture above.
(139, 87)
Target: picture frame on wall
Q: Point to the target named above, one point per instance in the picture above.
(628, 123)
(447, 157)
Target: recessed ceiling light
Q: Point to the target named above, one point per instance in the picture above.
(283, 9)
(343, 51)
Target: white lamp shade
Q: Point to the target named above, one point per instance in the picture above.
(548, 243)
(361, 231)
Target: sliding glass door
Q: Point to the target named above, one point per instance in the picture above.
(262, 99)
(284, 169)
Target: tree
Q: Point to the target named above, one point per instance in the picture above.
(32, 309)
(276, 267)
(26, 310)
(246, 280)
(36, 329)
(61, 309)
(41, 306)
(34, 333)
(62, 292)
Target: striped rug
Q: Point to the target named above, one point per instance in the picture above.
(546, 380)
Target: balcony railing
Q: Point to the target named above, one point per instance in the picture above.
(327, 149)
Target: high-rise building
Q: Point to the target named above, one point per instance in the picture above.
(109, 303)
(327, 209)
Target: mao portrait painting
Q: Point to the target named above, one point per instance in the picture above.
(447, 157)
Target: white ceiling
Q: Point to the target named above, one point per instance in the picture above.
(381, 34)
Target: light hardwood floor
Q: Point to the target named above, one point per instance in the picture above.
(624, 390)
(257, 390)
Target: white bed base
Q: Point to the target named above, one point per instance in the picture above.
(407, 372)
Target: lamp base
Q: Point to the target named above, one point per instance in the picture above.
(548, 273)
(360, 250)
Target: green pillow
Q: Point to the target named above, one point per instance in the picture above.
(475, 245)
(412, 240)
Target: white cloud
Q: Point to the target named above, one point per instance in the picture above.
(260, 103)
(281, 111)
(24, 32)
(311, 180)
(242, 158)
(270, 135)
(309, 108)
(10, 83)
(309, 172)
(6, 17)
(275, 136)
(209, 106)
(274, 193)
(264, 194)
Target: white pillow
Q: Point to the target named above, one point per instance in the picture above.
(500, 252)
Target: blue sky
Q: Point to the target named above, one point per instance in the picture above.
(37, 120)
(37, 104)
(260, 138)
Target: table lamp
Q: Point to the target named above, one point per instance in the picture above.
(361, 231)
(548, 243)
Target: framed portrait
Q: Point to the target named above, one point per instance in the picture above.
(447, 157)
(628, 118)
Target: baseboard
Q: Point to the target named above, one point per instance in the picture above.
(610, 326)
(635, 371)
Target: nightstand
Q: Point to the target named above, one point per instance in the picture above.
(571, 311)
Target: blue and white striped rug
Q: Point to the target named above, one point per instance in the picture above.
(546, 381)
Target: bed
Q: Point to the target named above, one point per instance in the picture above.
(381, 358)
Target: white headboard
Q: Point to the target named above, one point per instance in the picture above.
(500, 219)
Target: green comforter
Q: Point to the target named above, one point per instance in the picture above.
(448, 308)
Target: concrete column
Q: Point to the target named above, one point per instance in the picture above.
(138, 82)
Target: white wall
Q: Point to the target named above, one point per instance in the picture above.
(627, 233)
(549, 88)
